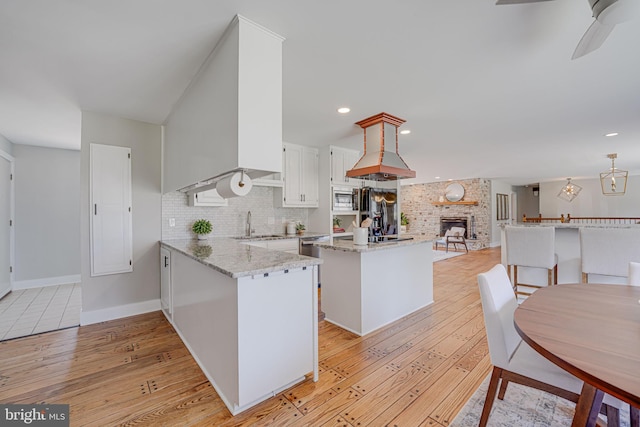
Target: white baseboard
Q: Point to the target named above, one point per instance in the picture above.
(495, 245)
(111, 313)
(47, 281)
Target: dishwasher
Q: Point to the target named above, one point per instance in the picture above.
(307, 248)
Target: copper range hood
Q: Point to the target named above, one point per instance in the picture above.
(379, 162)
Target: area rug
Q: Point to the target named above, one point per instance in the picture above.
(440, 255)
(522, 406)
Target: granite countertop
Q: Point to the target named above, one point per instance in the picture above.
(231, 257)
(348, 246)
(278, 236)
(570, 225)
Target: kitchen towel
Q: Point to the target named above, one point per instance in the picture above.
(238, 184)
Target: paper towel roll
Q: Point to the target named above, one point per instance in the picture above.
(238, 184)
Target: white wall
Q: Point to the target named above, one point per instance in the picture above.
(6, 145)
(590, 201)
(498, 187)
(47, 215)
(124, 294)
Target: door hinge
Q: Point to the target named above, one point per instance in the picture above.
(129, 155)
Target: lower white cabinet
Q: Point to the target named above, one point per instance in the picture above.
(165, 282)
(207, 198)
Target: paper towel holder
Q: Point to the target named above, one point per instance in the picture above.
(210, 183)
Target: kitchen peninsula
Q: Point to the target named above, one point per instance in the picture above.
(367, 287)
(247, 314)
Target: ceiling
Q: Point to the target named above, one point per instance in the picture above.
(487, 91)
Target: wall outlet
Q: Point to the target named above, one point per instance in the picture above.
(172, 222)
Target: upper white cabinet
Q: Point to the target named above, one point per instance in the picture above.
(230, 115)
(300, 176)
(343, 159)
(207, 198)
(111, 218)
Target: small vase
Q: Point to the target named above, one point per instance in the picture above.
(202, 237)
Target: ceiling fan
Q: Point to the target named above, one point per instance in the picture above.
(607, 14)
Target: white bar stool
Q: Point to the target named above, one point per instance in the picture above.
(608, 252)
(531, 247)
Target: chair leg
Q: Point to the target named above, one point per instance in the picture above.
(515, 279)
(613, 416)
(550, 277)
(491, 395)
(585, 278)
(555, 274)
(634, 414)
(503, 388)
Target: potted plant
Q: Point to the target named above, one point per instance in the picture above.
(300, 228)
(202, 227)
(336, 222)
(404, 221)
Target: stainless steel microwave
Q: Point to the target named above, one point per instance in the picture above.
(345, 199)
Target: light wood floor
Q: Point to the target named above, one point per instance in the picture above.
(418, 371)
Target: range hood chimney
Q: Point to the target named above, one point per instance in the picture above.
(379, 163)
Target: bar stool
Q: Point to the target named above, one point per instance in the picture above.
(608, 252)
(531, 247)
(634, 273)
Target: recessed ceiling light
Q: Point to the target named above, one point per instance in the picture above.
(450, 179)
(436, 177)
(344, 110)
(405, 132)
(612, 134)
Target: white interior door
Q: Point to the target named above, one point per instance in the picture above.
(111, 233)
(6, 203)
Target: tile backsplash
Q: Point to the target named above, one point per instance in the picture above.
(229, 220)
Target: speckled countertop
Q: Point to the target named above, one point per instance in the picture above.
(235, 259)
(348, 246)
(571, 225)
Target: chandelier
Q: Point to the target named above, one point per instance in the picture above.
(569, 191)
(613, 181)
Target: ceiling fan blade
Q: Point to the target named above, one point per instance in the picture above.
(518, 1)
(596, 34)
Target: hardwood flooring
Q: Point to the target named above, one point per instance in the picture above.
(418, 371)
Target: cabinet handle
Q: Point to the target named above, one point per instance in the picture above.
(95, 209)
(165, 261)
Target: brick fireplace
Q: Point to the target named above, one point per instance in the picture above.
(420, 205)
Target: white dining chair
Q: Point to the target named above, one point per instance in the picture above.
(634, 273)
(532, 247)
(607, 252)
(513, 359)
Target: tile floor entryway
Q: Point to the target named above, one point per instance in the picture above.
(32, 311)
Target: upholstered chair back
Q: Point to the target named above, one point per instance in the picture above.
(498, 305)
(531, 246)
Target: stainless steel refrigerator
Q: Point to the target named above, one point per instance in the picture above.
(381, 205)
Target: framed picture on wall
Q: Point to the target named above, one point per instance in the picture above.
(502, 207)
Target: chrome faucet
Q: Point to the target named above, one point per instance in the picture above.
(249, 230)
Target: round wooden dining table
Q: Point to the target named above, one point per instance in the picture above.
(592, 331)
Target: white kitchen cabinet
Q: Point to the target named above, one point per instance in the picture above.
(110, 196)
(165, 282)
(207, 198)
(300, 176)
(343, 159)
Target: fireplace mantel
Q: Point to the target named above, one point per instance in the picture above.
(465, 202)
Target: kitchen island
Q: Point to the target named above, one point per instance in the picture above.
(367, 287)
(247, 314)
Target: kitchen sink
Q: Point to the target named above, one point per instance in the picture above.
(259, 236)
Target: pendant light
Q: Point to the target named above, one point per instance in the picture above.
(569, 191)
(613, 181)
